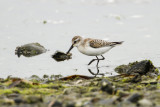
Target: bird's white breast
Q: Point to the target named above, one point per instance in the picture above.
(87, 50)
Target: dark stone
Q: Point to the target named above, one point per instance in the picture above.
(61, 56)
(18, 100)
(122, 69)
(70, 104)
(121, 96)
(57, 104)
(135, 98)
(45, 76)
(137, 78)
(107, 87)
(144, 67)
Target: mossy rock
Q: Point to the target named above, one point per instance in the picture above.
(29, 50)
(144, 67)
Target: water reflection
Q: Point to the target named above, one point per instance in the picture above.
(102, 71)
(95, 74)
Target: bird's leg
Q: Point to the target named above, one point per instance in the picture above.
(92, 60)
(103, 58)
(97, 70)
(94, 73)
(99, 59)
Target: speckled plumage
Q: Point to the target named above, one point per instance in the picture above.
(97, 43)
(92, 47)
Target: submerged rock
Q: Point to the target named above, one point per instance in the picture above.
(61, 56)
(29, 50)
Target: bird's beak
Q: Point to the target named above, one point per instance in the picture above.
(70, 49)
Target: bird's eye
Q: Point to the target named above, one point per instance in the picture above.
(75, 41)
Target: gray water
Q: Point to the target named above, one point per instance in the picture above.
(136, 22)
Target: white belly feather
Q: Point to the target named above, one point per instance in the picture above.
(87, 50)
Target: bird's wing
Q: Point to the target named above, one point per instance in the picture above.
(97, 43)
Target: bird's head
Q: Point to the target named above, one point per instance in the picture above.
(75, 42)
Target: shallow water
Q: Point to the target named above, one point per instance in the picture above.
(136, 22)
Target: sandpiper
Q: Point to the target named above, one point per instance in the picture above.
(92, 47)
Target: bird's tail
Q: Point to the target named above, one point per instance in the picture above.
(117, 43)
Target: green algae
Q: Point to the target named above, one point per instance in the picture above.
(82, 91)
(9, 91)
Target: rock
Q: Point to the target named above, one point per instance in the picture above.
(1, 79)
(106, 101)
(55, 104)
(136, 78)
(145, 103)
(13, 95)
(144, 67)
(70, 104)
(55, 77)
(121, 95)
(7, 101)
(20, 83)
(15, 83)
(134, 71)
(79, 82)
(35, 78)
(18, 100)
(33, 99)
(61, 56)
(107, 87)
(122, 69)
(68, 91)
(46, 76)
(29, 50)
(135, 98)
(73, 77)
(2, 87)
(80, 92)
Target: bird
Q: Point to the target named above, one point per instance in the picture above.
(92, 47)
